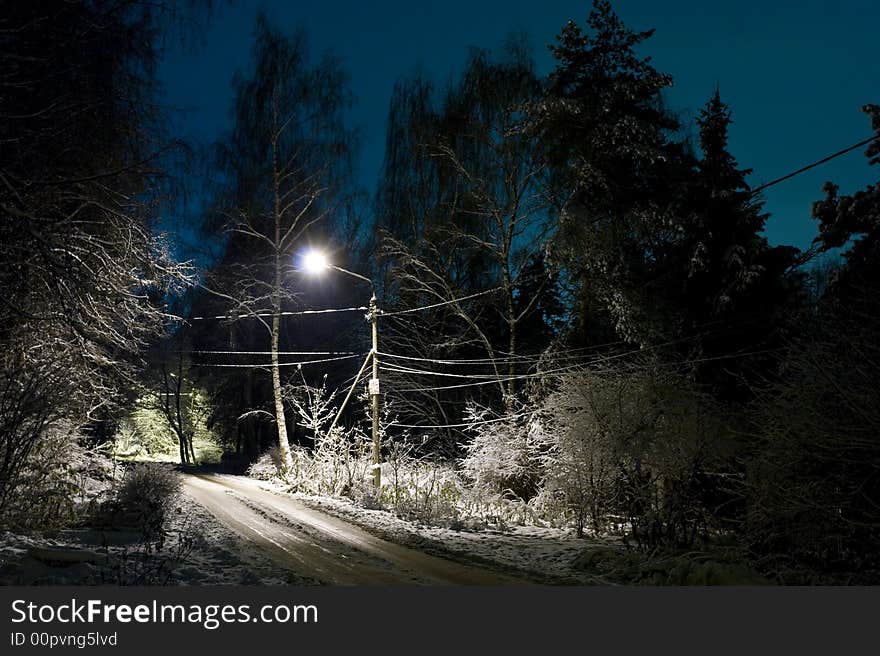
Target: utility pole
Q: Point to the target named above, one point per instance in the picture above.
(315, 262)
(374, 393)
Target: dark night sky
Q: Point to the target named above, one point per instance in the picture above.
(795, 72)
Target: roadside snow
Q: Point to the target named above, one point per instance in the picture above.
(198, 550)
(545, 555)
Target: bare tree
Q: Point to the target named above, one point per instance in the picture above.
(483, 211)
(286, 157)
(82, 275)
(171, 395)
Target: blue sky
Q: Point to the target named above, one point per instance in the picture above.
(794, 73)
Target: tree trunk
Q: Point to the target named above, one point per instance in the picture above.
(283, 444)
(511, 346)
(178, 418)
(183, 459)
(192, 451)
(511, 366)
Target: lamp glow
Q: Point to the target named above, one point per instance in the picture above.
(315, 262)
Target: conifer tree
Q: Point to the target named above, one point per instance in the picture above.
(734, 282)
(605, 129)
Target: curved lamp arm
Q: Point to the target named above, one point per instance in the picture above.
(356, 275)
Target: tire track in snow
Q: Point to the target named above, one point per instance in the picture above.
(314, 544)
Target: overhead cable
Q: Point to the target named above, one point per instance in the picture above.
(440, 304)
(814, 164)
(265, 365)
(281, 314)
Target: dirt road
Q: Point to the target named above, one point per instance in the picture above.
(316, 545)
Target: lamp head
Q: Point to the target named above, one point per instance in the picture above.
(315, 262)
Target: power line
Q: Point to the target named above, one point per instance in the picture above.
(479, 422)
(532, 412)
(813, 165)
(703, 329)
(599, 359)
(282, 314)
(566, 354)
(348, 381)
(494, 380)
(593, 360)
(409, 370)
(270, 352)
(441, 304)
(351, 309)
(263, 365)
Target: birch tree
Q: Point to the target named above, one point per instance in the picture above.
(483, 210)
(284, 159)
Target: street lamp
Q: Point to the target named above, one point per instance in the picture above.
(315, 263)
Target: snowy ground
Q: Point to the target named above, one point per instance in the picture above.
(313, 543)
(549, 556)
(198, 551)
(543, 555)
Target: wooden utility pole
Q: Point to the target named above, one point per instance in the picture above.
(316, 262)
(374, 393)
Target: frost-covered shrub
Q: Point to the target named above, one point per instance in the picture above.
(579, 451)
(630, 446)
(501, 458)
(421, 488)
(313, 405)
(149, 430)
(127, 440)
(267, 467)
(339, 465)
(146, 430)
(342, 465)
(57, 481)
(143, 500)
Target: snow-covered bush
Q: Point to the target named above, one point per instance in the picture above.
(627, 444)
(267, 467)
(578, 462)
(314, 407)
(144, 499)
(340, 463)
(593, 427)
(57, 481)
(148, 431)
(501, 458)
(421, 488)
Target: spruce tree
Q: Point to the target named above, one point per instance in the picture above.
(733, 282)
(607, 132)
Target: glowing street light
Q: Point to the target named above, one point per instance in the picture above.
(314, 263)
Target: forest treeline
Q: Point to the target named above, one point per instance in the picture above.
(580, 317)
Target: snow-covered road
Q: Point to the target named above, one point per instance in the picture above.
(307, 542)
